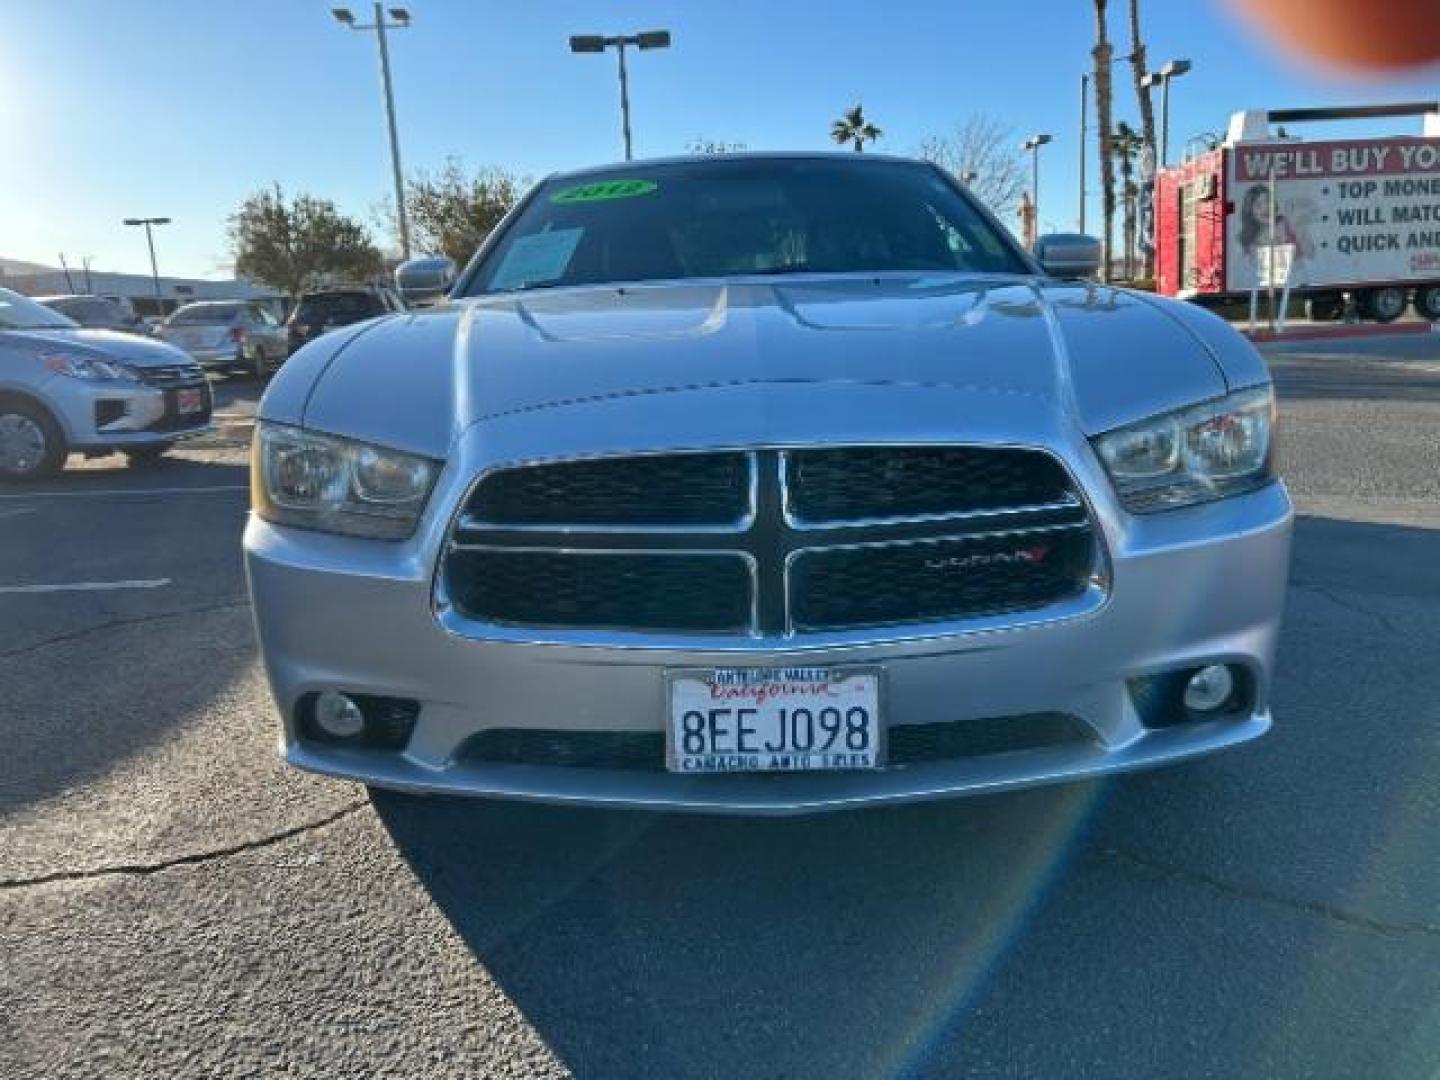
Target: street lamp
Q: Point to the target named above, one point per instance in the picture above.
(1173, 70)
(1033, 145)
(399, 20)
(594, 43)
(150, 239)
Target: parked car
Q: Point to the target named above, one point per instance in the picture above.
(229, 335)
(64, 387)
(768, 483)
(95, 312)
(325, 309)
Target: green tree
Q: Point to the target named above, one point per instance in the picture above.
(1127, 143)
(294, 244)
(852, 128)
(452, 211)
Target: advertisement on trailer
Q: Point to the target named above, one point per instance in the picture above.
(1353, 211)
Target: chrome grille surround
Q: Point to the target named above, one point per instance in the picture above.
(773, 538)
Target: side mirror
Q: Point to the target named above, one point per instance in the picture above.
(424, 281)
(1068, 255)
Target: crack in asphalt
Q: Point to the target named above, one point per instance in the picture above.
(1348, 605)
(1230, 889)
(198, 858)
(112, 624)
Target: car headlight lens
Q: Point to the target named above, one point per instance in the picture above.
(316, 481)
(1197, 454)
(89, 368)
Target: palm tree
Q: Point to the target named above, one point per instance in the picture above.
(1103, 133)
(854, 128)
(1142, 95)
(1126, 145)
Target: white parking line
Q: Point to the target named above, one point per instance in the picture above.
(17, 511)
(87, 586)
(127, 491)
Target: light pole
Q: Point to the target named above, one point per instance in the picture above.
(150, 239)
(1084, 138)
(1173, 70)
(400, 20)
(594, 43)
(1033, 145)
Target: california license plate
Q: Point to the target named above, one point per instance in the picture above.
(773, 720)
(189, 401)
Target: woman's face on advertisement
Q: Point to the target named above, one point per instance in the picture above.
(1260, 206)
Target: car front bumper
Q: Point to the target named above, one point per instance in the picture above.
(1186, 588)
(105, 415)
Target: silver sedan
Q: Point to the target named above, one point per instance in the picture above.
(762, 484)
(229, 335)
(64, 388)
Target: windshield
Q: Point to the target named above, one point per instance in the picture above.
(204, 314)
(743, 216)
(21, 313)
(341, 307)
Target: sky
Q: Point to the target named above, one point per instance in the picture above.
(125, 108)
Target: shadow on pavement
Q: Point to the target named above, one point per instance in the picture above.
(680, 946)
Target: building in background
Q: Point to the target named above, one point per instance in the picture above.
(32, 279)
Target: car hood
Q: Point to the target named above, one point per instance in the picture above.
(1087, 355)
(103, 344)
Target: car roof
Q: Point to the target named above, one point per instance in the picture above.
(340, 290)
(69, 296)
(848, 156)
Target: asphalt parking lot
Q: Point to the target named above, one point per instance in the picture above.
(174, 902)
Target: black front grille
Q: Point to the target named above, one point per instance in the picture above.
(810, 541)
(666, 489)
(857, 483)
(966, 577)
(644, 751)
(172, 375)
(640, 591)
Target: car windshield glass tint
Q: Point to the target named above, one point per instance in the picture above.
(336, 307)
(19, 313)
(208, 313)
(744, 216)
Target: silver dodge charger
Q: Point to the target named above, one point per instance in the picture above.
(767, 483)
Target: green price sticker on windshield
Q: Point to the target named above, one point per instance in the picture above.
(604, 191)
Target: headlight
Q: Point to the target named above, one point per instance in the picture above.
(88, 368)
(1205, 452)
(316, 481)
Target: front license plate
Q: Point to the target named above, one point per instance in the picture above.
(189, 401)
(773, 720)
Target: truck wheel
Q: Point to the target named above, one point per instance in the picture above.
(1427, 302)
(1324, 307)
(32, 445)
(1383, 305)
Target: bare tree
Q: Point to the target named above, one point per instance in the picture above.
(984, 154)
(1102, 55)
(702, 145)
(1147, 110)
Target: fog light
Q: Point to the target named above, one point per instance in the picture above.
(1210, 689)
(340, 718)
